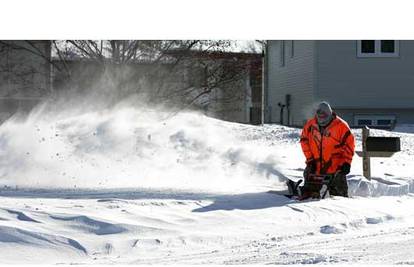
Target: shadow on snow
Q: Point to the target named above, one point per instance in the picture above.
(242, 201)
(247, 201)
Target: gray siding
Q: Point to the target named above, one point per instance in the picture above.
(296, 78)
(350, 82)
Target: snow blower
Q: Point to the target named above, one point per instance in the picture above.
(315, 186)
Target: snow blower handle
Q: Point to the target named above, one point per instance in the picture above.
(319, 179)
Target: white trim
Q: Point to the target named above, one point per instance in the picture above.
(377, 50)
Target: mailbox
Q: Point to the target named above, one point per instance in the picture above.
(376, 146)
(386, 144)
(382, 146)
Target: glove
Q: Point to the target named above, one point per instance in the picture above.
(345, 168)
(310, 168)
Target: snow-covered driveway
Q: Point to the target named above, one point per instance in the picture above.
(178, 227)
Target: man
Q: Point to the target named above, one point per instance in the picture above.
(328, 146)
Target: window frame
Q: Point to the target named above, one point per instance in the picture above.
(377, 50)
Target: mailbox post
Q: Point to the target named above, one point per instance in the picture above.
(366, 161)
(373, 146)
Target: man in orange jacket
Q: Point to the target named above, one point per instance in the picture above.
(328, 146)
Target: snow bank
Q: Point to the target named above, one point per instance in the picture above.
(360, 186)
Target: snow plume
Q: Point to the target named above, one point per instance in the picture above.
(129, 145)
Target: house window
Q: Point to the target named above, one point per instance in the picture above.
(384, 122)
(364, 122)
(368, 46)
(378, 121)
(377, 48)
(387, 46)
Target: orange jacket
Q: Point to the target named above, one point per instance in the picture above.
(331, 149)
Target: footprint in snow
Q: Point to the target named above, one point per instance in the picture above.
(330, 229)
(377, 220)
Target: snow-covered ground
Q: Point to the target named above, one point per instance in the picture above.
(137, 186)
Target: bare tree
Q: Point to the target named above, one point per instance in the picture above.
(182, 72)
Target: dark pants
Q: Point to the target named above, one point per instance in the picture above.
(339, 186)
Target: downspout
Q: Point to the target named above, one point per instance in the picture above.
(265, 90)
(281, 112)
(288, 98)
